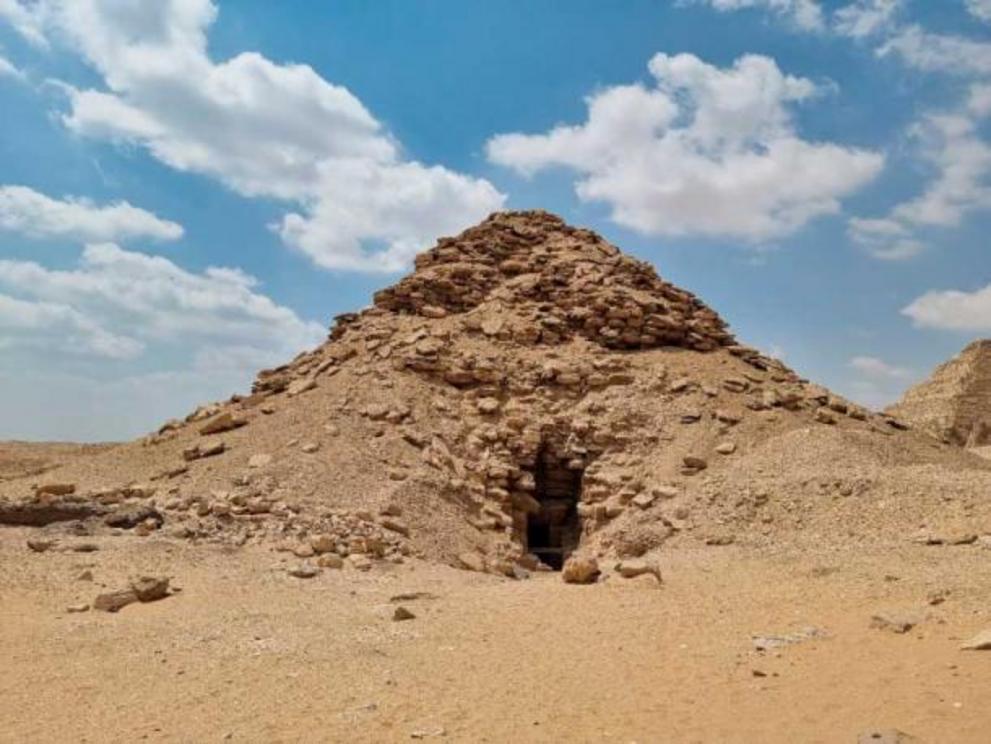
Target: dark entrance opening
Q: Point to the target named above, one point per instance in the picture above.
(553, 531)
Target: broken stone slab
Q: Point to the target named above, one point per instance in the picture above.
(298, 387)
(980, 642)
(142, 589)
(114, 601)
(224, 422)
(38, 514)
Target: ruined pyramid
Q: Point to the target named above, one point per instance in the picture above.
(954, 403)
(527, 393)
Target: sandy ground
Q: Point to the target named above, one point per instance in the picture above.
(245, 652)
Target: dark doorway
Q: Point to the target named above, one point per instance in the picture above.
(554, 530)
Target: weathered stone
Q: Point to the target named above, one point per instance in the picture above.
(980, 642)
(401, 613)
(897, 621)
(40, 546)
(55, 489)
(150, 588)
(471, 561)
(298, 387)
(330, 560)
(115, 601)
(303, 571)
(726, 448)
(630, 569)
(580, 570)
(260, 460)
(131, 515)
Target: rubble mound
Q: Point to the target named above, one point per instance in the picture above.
(954, 404)
(529, 394)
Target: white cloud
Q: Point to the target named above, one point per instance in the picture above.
(805, 14)
(121, 304)
(980, 9)
(28, 212)
(952, 310)
(7, 69)
(265, 130)
(26, 18)
(931, 52)
(705, 151)
(952, 145)
(866, 17)
(878, 368)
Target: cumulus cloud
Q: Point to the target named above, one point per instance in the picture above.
(931, 52)
(30, 213)
(704, 151)
(878, 368)
(952, 145)
(952, 310)
(980, 9)
(805, 14)
(866, 17)
(27, 18)
(264, 130)
(120, 304)
(7, 69)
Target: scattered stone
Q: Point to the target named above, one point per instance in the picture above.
(726, 448)
(115, 601)
(488, 405)
(630, 569)
(304, 571)
(471, 561)
(980, 642)
(150, 588)
(644, 500)
(580, 570)
(298, 387)
(401, 613)
(55, 489)
(40, 546)
(310, 447)
(259, 461)
(77, 608)
(896, 621)
(131, 515)
(330, 560)
(825, 416)
(396, 525)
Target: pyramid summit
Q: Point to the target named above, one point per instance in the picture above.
(954, 403)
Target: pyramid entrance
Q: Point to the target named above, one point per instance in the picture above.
(554, 530)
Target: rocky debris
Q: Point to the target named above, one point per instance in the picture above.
(78, 608)
(226, 421)
(980, 642)
(143, 589)
(330, 560)
(41, 546)
(401, 613)
(897, 621)
(471, 561)
(580, 570)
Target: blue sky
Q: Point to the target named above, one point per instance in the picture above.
(190, 190)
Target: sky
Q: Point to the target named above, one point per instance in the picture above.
(190, 190)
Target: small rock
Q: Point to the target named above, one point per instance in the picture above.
(150, 588)
(488, 405)
(131, 515)
(580, 570)
(726, 448)
(692, 462)
(401, 613)
(396, 525)
(330, 560)
(885, 736)
(298, 387)
(824, 416)
(980, 642)
(304, 571)
(359, 562)
(644, 500)
(40, 546)
(310, 447)
(632, 569)
(896, 621)
(115, 601)
(471, 561)
(259, 461)
(223, 422)
(80, 607)
(56, 489)
(323, 544)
